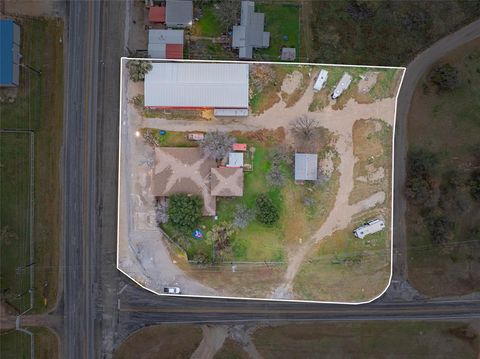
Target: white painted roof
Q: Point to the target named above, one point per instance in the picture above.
(165, 36)
(370, 227)
(174, 84)
(321, 80)
(235, 159)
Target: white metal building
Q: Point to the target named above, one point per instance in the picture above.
(321, 80)
(235, 159)
(178, 85)
(306, 166)
(373, 226)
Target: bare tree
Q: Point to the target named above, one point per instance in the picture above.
(217, 144)
(304, 128)
(228, 13)
(138, 69)
(275, 176)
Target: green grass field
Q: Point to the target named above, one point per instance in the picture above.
(39, 107)
(208, 25)
(14, 345)
(283, 23)
(15, 199)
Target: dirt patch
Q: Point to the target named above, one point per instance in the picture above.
(291, 82)
(162, 341)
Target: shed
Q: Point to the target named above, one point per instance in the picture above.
(9, 53)
(321, 80)
(165, 44)
(306, 166)
(156, 14)
(178, 85)
(250, 33)
(231, 112)
(235, 159)
(370, 227)
(179, 13)
(288, 54)
(239, 147)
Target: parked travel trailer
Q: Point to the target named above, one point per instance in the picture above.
(370, 227)
(321, 80)
(345, 81)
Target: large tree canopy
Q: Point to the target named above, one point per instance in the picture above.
(184, 211)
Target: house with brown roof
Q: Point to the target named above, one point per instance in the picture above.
(188, 170)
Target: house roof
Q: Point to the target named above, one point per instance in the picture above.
(156, 14)
(249, 34)
(239, 147)
(165, 36)
(197, 85)
(179, 12)
(306, 166)
(183, 170)
(226, 182)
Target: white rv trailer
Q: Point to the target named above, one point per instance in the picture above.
(370, 227)
(345, 81)
(321, 80)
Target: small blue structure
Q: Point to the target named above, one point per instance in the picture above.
(9, 53)
(162, 132)
(198, 234)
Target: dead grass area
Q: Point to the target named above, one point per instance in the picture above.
(265, 136)
(320, 100)
(231, 350)
(372, 146)
(368, 340)
(345, 268)
(46, 344)
(447, 124)
(291, 99)
(255, 280)
(161, 341)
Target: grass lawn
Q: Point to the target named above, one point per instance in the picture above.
(161, 341)
(283, 23)
(15, 191)
(39, 107)
(208, 25)
(346, 268)
(447, 124)
(14, 345)
(399, 339)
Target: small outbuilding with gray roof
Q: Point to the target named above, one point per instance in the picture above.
(179, 13)
(306, 166)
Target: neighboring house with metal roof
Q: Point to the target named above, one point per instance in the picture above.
(306, 166)
(226, 182)
(178, 13)
(176, 85)
(9, 53)
(250, 33)
(165, 44)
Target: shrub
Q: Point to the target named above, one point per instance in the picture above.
(440, 228)
(138, 69)
(243, 216)
(419, 184)
(475, 185)
(266, 211)
(184, 211)
(275, 176)
(220, 236)
(445, 77)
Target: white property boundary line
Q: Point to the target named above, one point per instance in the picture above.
(122, 59)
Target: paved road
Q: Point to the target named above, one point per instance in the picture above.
(81, 75)
(415, 70)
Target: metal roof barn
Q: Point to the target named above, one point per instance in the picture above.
(306, 166)
(9, 53)
(197, 85)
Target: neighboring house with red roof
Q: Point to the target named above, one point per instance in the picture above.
(165, 44)
(156, 14)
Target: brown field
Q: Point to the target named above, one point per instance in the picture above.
(368, 340)
(231, 350)
(161, 341)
